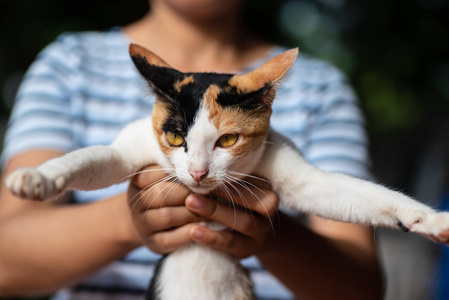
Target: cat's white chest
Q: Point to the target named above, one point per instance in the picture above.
(217, 276)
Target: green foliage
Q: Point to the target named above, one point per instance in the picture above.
(396, 53)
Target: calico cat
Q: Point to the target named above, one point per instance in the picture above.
(205, 127)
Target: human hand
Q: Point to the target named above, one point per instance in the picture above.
(159, 215)
(251, 226)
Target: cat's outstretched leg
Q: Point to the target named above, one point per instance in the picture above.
(343, 198)
(89, 168)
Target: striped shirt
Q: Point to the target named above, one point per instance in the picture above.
(83, 88)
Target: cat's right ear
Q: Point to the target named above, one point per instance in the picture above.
(160, 75)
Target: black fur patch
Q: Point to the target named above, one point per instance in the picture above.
(402, 227)
(248, 101)
(187, 102)
(161, 79)
(152, 289)
(184, 105)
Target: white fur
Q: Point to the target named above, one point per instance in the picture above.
(198, 272)
(90, 168)
(340, 197)
(201, 153)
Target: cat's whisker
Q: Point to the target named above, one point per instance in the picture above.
(171, 191)
(259, 189)
(244, 200)
(148, 189)
(243, 175)
(250, 184)
(229, 181)
(247, 209)
(144, 171)
(161, 191)
(256, 187)
(244, 185)
(231, 199)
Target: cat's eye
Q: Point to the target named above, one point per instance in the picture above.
(227, 140)
(174, 139)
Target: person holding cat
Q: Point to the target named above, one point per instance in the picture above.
(82, 90)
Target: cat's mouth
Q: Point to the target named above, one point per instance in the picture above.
(202, 188)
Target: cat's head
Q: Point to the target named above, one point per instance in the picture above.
(211, 127)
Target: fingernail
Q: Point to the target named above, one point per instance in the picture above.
(198, 234)
(196, 203)
(204, 224)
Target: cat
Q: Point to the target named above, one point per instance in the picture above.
(205, 126)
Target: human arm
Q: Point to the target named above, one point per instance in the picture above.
(315, 263)
(69, 242)
(63, 242)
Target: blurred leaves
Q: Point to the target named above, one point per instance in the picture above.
(395, 53)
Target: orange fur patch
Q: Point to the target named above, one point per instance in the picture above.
(181, 83)
(210, 98)
(269, 73)
(159, 116)
(251, 125)
(150, 57)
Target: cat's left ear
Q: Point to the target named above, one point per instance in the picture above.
(149, 57)
(265, 76)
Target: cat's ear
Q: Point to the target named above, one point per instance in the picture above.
(149, 58)
(265, 77)
(160, 75)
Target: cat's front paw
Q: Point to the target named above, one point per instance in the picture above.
(433, 225)
(29, 183)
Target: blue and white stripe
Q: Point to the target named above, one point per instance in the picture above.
(82, 89)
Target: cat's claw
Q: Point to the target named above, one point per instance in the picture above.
(433, 225)
(29, 183)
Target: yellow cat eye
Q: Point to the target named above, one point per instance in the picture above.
(227, 140)
(174, 139)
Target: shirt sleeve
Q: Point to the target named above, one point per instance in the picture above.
(337, 139)
(42, 116)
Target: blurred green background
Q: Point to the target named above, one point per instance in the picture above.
(395, 53)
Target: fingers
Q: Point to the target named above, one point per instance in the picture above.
(167, 218)
(233, 243)
(148, 175)
(152, 188)
(246, 194)
(251, 228)
(165, 242)
(160, 195)
(245, 222)
(158, 211)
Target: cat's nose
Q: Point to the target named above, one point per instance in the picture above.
(198, 175)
